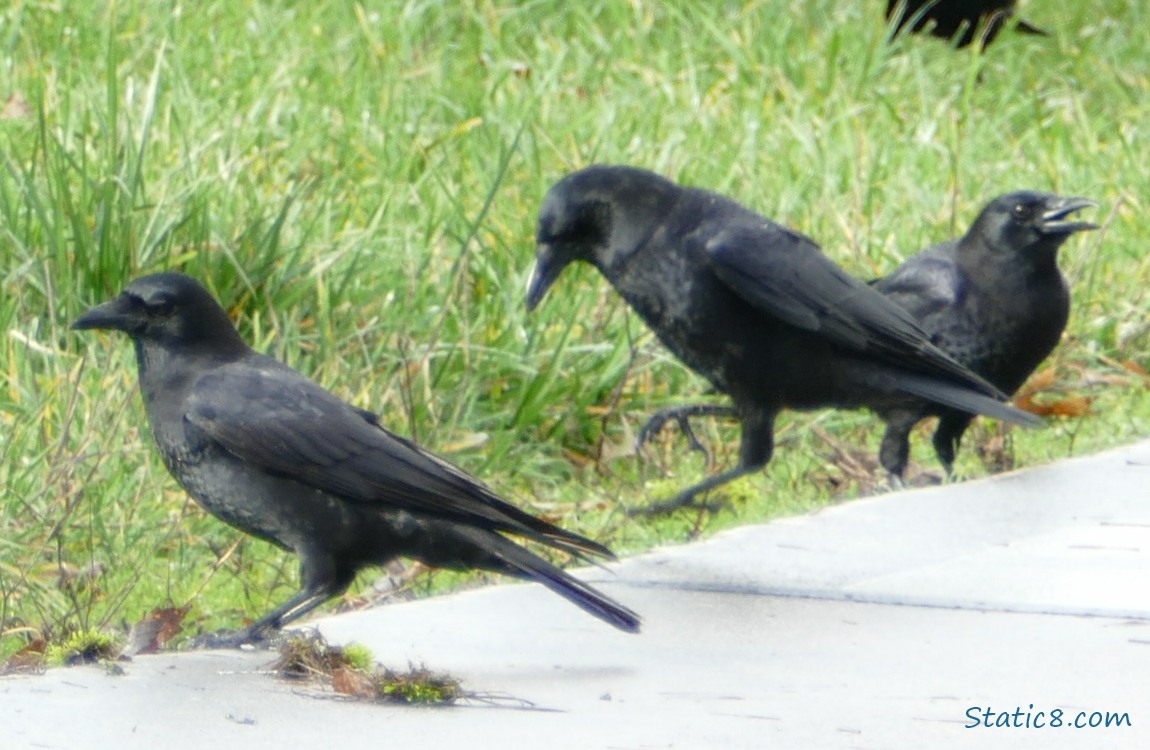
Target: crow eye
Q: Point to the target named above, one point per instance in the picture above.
(1021, 211)
(160, 308)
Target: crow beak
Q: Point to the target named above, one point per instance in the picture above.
(1054, 219)
(543, 275)
(115, 315)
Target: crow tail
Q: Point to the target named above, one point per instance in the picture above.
(962, 398)
(508, 557)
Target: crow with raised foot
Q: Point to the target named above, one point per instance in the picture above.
(752, 306)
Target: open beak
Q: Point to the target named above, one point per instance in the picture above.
(116, 315)
(1054, 220)
(543, 275)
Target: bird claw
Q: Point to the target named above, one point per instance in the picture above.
(681, 416)
(656, 424)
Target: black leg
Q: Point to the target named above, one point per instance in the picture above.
(947, 437)
(267, 627)
(288, 612)
(322, 580)
(894, 452)
(686, 498)
(755, 450)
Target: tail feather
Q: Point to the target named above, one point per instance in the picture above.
(523, 563)
(963, 399)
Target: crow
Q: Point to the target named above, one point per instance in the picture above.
(992, 299)
(271, 453)
(957, 20)
(752, 306)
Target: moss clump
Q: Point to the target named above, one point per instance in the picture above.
(350, 670)
(359, 657)
(83, 647)
(417, 686)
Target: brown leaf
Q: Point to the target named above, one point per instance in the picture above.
(157, 628)
(348, 681)
(1042, 380)
(1026, 402)
(1074, 406)
(28, 660)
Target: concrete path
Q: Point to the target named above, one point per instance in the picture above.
(890, 622)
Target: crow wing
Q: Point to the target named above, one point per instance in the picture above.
(927, 284)
(270, 416)
(785, 275)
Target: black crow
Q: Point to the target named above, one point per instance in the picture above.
(957, 20)
(992, 299)
(268, 451)
(752, 306)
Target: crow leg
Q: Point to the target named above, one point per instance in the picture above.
(681, 415)
(755, 451)
(686, 498)
(266, 628)
(323, 577)
(291, 610)
(951, 426)
(894, 453)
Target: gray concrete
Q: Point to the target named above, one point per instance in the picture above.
(875, 624)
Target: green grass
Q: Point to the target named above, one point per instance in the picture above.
(359, 183)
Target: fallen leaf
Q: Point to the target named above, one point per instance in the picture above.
(28, 660)
(348, 681)
(157, 628)
(1042, 380)
(1074, 406)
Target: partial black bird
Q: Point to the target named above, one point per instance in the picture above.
(961, 21)
(268, 451)
(752, 306)
(992, 299)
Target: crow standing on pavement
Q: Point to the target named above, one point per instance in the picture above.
(961, 19)
(266, 450)
(752, 306)
(993, 300)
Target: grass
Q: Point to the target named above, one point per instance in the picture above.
(359, 183)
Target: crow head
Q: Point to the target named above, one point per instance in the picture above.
(1026, 222)
(169, 309)
(599, 215)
